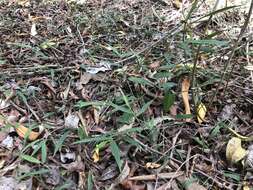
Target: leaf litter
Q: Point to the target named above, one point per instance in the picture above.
(106, 99)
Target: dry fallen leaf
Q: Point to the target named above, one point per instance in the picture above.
(71, 121)
(185, 96)
(2, 162)
(4, 104)
(201, 112)
(177, 4)
(103, 66)
(95, 155)
(249, 158)
(124, 173)
(151, 165)
(234, 150)
(7, 142)
(22, 131)
(33, 30)
(246, 187)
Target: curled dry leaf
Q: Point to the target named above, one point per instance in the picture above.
(103, 66)
(110, 172)
(95, 155)
(33, 30)
(124, 173)
(22, 131)
(201, 112)
(4, 104)
(185, 96)
(151, 165)
(234, 150)
(177, 4)
(246, 187)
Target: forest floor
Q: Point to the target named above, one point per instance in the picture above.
(133, 95)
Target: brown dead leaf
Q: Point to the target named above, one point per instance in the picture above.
(185, 96)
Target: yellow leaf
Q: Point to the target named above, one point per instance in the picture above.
(234, 150)
(201, 112)
(177, 3)
(246, 187)
(185, 96)
(151, 165)
(96, 155)
(2, 162)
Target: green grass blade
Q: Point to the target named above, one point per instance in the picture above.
(30, 159)
(116, 153)
(90, 181)
(168, 101)
(33, 173)
(208, 42)
(125, 99)
(60, 142)
(144, 108)
(142, 81)
(43, 152)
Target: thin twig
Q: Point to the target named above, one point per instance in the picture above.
(170, 175)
